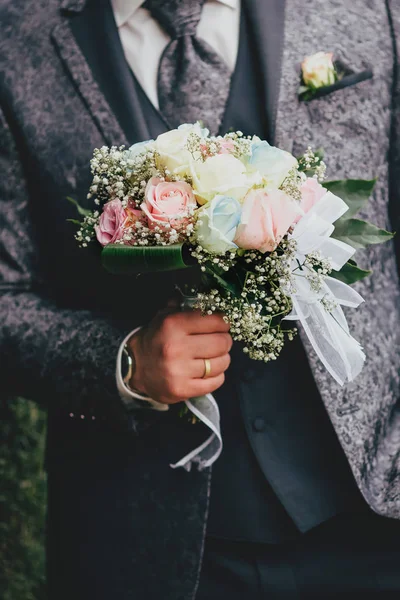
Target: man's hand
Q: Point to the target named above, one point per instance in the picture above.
(170, 353)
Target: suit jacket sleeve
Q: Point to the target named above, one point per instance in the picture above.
(385, 471)
(394, 161)
(64, 358)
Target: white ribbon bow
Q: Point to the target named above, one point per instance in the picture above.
(327, 331)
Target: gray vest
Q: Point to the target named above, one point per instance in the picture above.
(282, 470)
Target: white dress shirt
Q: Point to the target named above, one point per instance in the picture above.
(143, 42)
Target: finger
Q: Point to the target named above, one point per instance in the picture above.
(199, 387)
(217, 366)
(197, 323)
(208, 345)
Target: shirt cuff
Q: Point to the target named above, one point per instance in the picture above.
(130, 398)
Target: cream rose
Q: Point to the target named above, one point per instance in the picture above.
(318, 70)
(171, 147)
(222, 174)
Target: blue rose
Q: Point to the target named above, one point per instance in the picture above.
(217, 224)
(274, 164)
(195, 128)
(138, 148)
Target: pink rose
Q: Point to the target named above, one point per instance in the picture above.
(111, 222)
(311, 193)
(226, 146)
(167, 202)
(266, 218)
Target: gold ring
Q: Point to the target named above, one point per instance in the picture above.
(207, 368)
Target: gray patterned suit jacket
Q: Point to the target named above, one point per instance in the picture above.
(54, 334)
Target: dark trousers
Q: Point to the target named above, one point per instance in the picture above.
(348, 557)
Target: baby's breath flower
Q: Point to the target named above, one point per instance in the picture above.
(291, 184)
(312, 164)
(86, 232)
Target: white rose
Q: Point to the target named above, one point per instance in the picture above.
(318, 70)
(171, 146)
(222, 174)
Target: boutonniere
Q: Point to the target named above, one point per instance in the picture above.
(317, 72)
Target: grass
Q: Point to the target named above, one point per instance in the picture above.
(22, 501)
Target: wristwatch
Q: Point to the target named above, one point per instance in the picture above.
(132, 398)
(127, 366)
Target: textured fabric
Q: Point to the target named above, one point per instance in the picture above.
(109, 535)
(54, 109)
(347, 558)
(193, 81)
(353, 125)
(290, 472)
(394, 165)
(50, 336)
(142, 36)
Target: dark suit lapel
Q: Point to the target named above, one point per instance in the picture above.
(88, 43)
(267, 25)
(394, 17)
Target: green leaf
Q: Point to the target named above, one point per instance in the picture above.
(232, 282)
(74, 221)
(350, 273)
(84, 212)
(303, 89)
(359, 234)
(128, 260)
(354, 192)
(223, 283)
(320, 153)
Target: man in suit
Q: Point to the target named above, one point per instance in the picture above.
(290, 509)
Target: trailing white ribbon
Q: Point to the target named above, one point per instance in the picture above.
(206, 409)
(327, 330)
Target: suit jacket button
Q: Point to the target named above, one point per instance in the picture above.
(259, 424)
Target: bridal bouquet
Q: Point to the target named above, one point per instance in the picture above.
(268, 239)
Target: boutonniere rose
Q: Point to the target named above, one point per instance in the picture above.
(317, 71)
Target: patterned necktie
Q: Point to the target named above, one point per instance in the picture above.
(193, 81)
